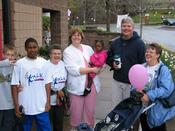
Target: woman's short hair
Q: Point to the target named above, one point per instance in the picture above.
(127, 20)
(156, 47)
(73, 31)
(54, 46)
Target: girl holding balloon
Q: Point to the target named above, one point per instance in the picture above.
(159, 84)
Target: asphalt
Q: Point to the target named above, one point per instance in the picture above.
(161, 34)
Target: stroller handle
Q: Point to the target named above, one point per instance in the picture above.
(148, 107)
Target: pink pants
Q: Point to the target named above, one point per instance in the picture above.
(82, 108)
(92, 75)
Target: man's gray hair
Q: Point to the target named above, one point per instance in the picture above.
(127, 20)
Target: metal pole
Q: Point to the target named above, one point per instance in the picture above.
(95, 10)
(141, 18)
(107, 16)
(7, 21)
(84, 13)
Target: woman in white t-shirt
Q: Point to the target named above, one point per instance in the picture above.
(76, 57)
(56, 70)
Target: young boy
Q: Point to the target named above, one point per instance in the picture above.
(7, 114)
(35, 95)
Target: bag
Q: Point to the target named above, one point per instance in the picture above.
(170, 100)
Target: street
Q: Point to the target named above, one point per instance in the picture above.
(164, 35)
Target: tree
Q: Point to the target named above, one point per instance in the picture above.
(107, 10)
(46, 22)
(73, 6)
(107, 15)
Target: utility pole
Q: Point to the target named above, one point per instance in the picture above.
(107, 16)
(141, 18)
(84, 21)
(95, 11)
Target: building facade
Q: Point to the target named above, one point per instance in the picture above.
(21, 19)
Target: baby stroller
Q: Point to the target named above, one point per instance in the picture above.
(123, 116)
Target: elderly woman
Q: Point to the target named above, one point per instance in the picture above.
(160, 85)
(76, 57)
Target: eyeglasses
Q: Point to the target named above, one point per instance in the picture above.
(77, 35)
(56, 53)
(150, 52)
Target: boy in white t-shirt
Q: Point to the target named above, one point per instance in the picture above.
(7, 114)
(35, 93)
(55, 68)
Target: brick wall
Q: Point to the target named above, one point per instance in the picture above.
(27, 21)
(55, 27)
(91, 36)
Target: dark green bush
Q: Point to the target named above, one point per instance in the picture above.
(44, 52)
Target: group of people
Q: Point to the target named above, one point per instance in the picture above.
(37, 85)
(131, 50)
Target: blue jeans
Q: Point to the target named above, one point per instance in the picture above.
(42, 122)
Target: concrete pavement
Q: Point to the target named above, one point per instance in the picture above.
(104, 100)
(104, 97)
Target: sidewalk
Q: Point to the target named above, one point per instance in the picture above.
(104, 101)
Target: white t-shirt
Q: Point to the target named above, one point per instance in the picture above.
(58, 74)
(31, 76)
(151, 74)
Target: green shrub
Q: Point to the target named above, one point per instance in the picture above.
(168, 58)
(46, 22)
(44, 52)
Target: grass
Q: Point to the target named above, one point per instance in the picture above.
(155, 16)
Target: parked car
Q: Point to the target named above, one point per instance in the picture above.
(168, 21)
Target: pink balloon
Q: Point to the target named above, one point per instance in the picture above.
(138, 76)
